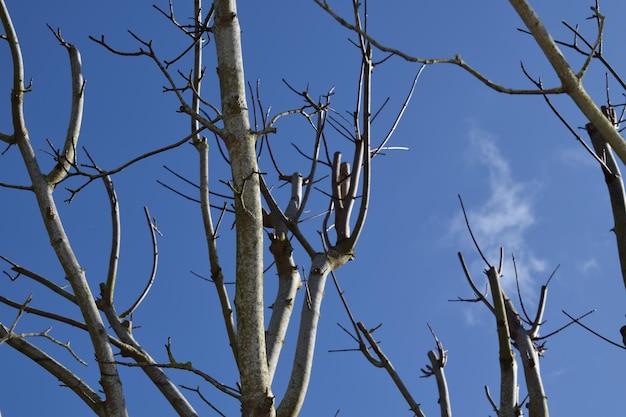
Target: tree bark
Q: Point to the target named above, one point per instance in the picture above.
(42, 187)
(257, 398)
(572, 82)
(615, 186)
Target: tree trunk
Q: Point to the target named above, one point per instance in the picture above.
(257, 398)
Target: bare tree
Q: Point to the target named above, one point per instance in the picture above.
(242, 127)
(603, 124)
(518, 332)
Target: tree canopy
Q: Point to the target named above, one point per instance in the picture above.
(526, 184)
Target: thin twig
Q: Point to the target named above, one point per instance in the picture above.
(155, 262)
(469, 229)
(577, 321)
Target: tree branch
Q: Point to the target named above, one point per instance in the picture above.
(158, 377)
(209, 234)
(67, 158)
(388, 366)
(155, 263)
(572, 82)
(115, 403)
(508, 364)
(63, 374)
(457, 60)
(614, 183)
(305, 346)
(289, 280)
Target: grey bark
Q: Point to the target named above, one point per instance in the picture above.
(257, 398)
(43, 187)
(509, 401)
(571, 81)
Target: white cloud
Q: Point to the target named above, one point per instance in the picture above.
(588, 266)
(502, 217)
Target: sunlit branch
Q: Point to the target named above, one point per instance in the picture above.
(18, 90)
(197, 72)
(571, 81)
(295, 393)
(405, 104)
(598, 54)
(438, 360)
(67, 158)
(541, 307)
(7, 138)
(289, 280)
(508, 365)
(362, 159)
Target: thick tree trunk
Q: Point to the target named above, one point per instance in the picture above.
(257, 398)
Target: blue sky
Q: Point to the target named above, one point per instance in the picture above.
(527, 185)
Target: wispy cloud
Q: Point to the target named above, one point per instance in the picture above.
(503, 216)
(588, 266)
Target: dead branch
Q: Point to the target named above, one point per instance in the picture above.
(457, 60)
(438, 361)
(557, 113)
(68, 156)
(480, 296)
(63, 374)
(173, 364)
(386, 364)
(606, 339)
(155, 261)
(38, 278)
(508, 365)
(204, 399)
(396, 121)
(210, 236)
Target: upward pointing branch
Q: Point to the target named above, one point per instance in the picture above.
(67, 157)
(115, 404)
